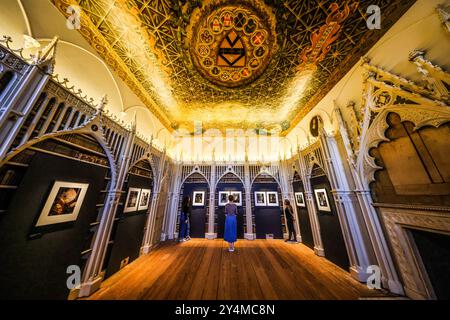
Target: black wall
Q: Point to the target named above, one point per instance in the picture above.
(220, 211)
(129, 230)
(198, 214)
(267, 219)
(35, 260)
(330, 228)
(434, 249)
(303, 217)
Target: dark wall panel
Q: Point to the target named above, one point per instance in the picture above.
(330, 228)
(198, 214)
(434, 249)
(37, 259)
(221, 210)
(303, 218)
(267, 219)
(129, 232)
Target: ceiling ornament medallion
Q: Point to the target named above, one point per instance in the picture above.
(231, 45)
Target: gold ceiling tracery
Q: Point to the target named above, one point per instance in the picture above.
(155, 47)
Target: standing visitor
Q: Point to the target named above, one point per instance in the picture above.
(230, 234)
(289, 214)
(184, 219)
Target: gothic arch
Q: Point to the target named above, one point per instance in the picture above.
(149, 160)
(420, 115)
(229, 172)
(191, 174)
(83, 130)
(264, 172)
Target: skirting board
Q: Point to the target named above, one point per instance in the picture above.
(319, 251)
(359, 274)
(146, 249)
(211, 236)
(249, 236)
(88, 288)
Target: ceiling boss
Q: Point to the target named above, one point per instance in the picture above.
(231, 44)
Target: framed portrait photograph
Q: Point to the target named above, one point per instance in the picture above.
(272, 199)
(198, 198)
(144, 199)
(237, 195)
(300, 199)
(132, 201)
(322, 200)
(223, 198)
(63, 203)
(260, 199)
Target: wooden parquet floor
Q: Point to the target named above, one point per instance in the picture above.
(257, 270)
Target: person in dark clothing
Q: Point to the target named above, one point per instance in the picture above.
(184, 218)
(289, 214)
(188, 219)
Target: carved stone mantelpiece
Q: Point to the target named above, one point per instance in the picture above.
(398, 220)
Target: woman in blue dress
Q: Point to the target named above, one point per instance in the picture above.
(230, 234)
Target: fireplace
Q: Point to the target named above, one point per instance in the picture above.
(420, 241)
(434, 251)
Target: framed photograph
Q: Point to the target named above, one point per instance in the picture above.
(132, 201)
(260, 199)
(63, 203)
(300, 199)
(237, 197)
(198, 198)
(144, 199)
(223, 198)
(322, 200)
(272, 199)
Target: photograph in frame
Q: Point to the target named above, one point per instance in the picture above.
(63, 203)
(144, 199)
(223, 198)
(198, 198)
(237, 197)
(323, 204)
(272, 199)
(260, 199)
(300, 199)
(132, 201)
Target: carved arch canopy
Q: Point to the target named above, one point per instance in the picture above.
(411, 164)
(420, 115)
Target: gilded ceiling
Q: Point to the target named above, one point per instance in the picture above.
(248, 64)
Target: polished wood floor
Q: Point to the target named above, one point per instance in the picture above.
(204, 269)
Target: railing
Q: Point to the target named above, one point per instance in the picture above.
(57, 107)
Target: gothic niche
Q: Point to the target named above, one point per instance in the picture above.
(416, 166)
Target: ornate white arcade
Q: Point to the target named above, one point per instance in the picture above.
(342, 153)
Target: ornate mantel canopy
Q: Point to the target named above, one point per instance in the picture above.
(238, 64)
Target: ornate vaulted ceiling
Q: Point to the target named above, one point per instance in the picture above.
(254, 64)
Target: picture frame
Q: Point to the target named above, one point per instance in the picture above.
(198, 198)
(63, 203)
(132, 200)
(300, 199)
(323, 204)
(144, 199)
(260, 199)
(223, 198)
(272, 199)
(237, 197)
